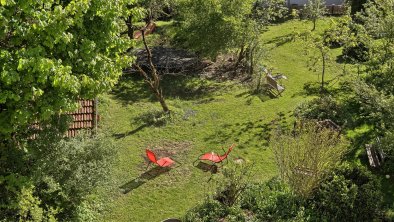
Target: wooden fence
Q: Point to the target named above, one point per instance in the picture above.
(85, 118)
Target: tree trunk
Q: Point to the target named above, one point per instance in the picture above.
(130, 27)
(323, 72)
(251, 68)
(163, 103)
(241, 56)
(154, 86)
(314, 25)
(154, 82)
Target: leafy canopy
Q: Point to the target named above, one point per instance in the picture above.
(54, 51)
(212, 27)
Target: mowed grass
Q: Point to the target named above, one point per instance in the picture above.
(207, 116)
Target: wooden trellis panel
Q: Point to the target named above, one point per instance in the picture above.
(84, 118)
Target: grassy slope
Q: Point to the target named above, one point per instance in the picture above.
(227, 114)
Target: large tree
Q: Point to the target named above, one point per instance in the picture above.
(377, 30)
(221, 26)
(213, 27)
(53, 52)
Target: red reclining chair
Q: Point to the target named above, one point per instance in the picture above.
(216, 158)
(163, 162)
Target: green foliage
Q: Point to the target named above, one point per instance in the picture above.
(29, 208)
(268, 11)
(155, 9)
(378, 34)
(209, 210)
(374, 107)
(355, 53)
(213, 27)
(388, 149)
(339, 32)
(322, 108)
(336, 197)
(55, 176)
(53, 52)
(305, 156)
(272, 201)
(66, 171)
(314, 10)
(348, 194)
(234, 181)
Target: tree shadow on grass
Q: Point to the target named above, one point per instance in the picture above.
(188, 87)
(243, 134)
(130, 90)
(264, 94)
(281, 40)
(314, 89)
(147, 119)
(132, 132)
(143, 178)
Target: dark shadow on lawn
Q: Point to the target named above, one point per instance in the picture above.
(130, 90)
(207, 167)
(151, 118)
(281, 40)
(187, 87)
(143, 178)
(264, 94)
(132, 132)
(256, 133)
(251, 133)
(314, 89)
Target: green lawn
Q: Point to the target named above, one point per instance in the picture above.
(207, 116)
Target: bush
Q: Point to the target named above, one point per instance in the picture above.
(269, 11)
(348, 194)
(388, 149)
(357, 53)
(306, 155)
(272, 201)
(210, 210)
(234, 182)
(319, 109)
(67, 170)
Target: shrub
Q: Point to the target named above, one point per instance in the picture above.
(355, 53)
(348, 194)
(305, 156)
(66, 171)
(210, 210)
(319, 109)
(272, 201)
(235, 214)
(335, 198)
(388, 149)
(234, 182)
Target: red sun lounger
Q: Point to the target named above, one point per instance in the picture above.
(163, 162)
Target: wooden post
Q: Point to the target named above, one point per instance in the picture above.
(95, 106)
